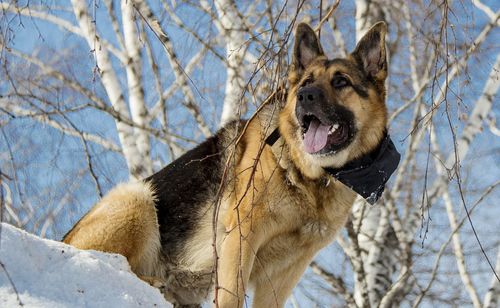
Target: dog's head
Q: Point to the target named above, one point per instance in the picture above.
(335, 109)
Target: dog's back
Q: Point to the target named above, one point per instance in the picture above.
(163, 224)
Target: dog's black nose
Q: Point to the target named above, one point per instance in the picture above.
(311, 101)
(309, 95)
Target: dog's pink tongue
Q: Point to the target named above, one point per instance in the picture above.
(316, 136)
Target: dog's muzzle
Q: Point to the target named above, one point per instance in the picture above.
(326, 126)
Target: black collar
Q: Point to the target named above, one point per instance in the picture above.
(366, 175)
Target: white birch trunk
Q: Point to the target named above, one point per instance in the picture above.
(134, 81)
(234, 105)
(491, 299)
(474, 125)
(457, 243)
(374, 221)
(112, 87)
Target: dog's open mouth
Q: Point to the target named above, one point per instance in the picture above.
(324, 138)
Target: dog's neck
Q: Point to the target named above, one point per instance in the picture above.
(366, 175)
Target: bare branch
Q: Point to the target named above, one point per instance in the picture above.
(61, 23)
(180, 75)
(45, 119)
(336, 283)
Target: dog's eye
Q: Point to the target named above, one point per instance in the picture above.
(339, 82)
(307, 81)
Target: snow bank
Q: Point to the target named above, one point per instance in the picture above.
(52, 274)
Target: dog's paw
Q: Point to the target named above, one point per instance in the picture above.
(155, 282)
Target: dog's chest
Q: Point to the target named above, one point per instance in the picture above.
(315, 230)
(291, 248)
(309, 221)
(321, 209)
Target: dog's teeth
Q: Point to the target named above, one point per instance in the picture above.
(333, 129)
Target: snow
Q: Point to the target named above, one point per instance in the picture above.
(52, 274)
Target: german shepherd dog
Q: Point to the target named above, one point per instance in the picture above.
(236, 213)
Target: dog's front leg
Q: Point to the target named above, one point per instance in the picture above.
(236, 259)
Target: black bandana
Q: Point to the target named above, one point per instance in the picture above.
(368, 174)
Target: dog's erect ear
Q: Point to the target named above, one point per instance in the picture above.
(307, 47)
(370, 52)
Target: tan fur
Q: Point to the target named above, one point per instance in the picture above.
(278, 209)
(123, 222)
(198, 255)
